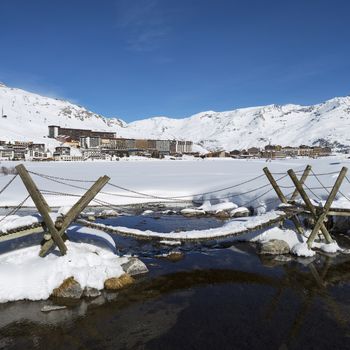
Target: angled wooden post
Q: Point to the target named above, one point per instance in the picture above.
(282, 198)
(42, 206)
(310, 206)
(73, 213)
(302, 181)
(327, 205)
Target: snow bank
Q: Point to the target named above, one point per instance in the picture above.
(24, 275)
(215, 208)
(296, 242)
(14, 221)
(231, 228)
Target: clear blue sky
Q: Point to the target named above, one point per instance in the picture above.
(139, 58)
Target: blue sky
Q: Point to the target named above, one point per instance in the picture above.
(139, 58)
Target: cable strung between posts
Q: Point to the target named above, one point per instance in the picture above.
(56, 179)
(60, 178)
(326, 188)
(8, 184)
(192, 195)
(14, 210)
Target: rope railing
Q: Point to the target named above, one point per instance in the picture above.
(143, 195)
(8, 184)
(13, 211)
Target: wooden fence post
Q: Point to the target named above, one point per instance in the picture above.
(41, 205)
(282, 198)
(302, 181)
(327, 205)
(73, 213)
(310, 206)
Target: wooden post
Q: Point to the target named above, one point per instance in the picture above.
(41, 205)
(73, 213)
(274, 185)
(327, 206)
(310, 206)
(282, 198)
(302, 181)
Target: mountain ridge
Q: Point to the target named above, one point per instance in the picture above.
(29, 114)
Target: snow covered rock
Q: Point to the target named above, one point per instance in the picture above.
(239, 212)
(25, 275)
(108, 213)
(190, 212)
(134, 267)
(69, 288)
(215, 208)
(173, 256)
(302, 249)
(274, 247)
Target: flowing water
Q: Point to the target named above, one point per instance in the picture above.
(219, 296)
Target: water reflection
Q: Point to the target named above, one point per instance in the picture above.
(217, 297)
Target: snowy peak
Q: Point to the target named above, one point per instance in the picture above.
(27, 116)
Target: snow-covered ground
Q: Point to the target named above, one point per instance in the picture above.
(91, 265)
(174, 178)
(24, 275)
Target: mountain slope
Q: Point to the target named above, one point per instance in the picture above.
(28, 116)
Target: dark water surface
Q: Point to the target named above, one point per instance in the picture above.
(222, 296)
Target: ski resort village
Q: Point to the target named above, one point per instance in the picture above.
(175, 175)
(92, 207)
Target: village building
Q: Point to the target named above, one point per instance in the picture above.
(90, 142)
(235, 153)
(290, 151)
(162, 146)
(217, 154)
(62, 150)
(75, 134)
(181, 147)
(6, 153)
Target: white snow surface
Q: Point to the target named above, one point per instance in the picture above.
(24, 275)
(29, 114)
(166, 178)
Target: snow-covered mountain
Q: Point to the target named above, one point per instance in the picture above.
(28, 117)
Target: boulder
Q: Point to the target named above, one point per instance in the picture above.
(48, 308)
(221, 214)
(274, 247)
(116, 283)
(173, 256)
(134, 267)
(90, 292)
(69, 288)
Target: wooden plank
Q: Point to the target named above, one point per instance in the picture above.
(302, 181)
(22, 233)
(42, 206)
(74, 212)
(309, 205)
(327, 205)
(128, 233)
